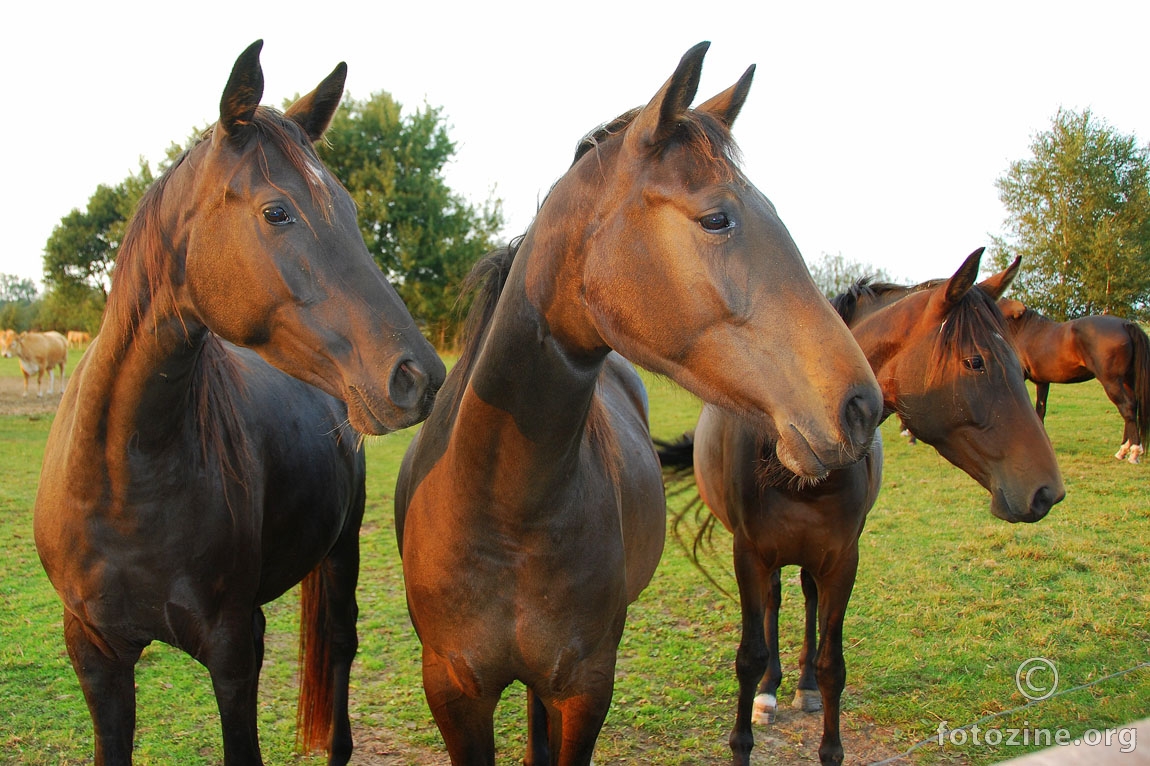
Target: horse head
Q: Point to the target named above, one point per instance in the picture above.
(956, 382)
(274, 260)
(685, 268)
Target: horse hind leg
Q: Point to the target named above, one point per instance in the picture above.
(807, 696)
(108, 681)
(767, 700)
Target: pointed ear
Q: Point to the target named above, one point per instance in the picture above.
(726, 106)
(963, 279)
(656, 121)
(996, 285)
(314, 111)
(242, 94)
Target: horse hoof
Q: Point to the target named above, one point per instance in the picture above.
(1135, 456)
(765, 707)
(808, 701)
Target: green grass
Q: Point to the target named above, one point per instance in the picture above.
(948, 602)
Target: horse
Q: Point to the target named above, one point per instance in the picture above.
(529, 509)
(39, 352)
(1113, 350)
(207, 456)
(941, 358)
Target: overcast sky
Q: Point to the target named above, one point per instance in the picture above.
(877, 129)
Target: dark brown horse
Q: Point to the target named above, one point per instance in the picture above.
(187, 481)
(530, 509)
(1113, 350)
(940, 355)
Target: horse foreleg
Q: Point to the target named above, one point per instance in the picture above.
(767, 700)
(581, 715)
(109, 685)
(1041, 391)
(464, 717)
(751, 660)
(807, 696)
(233, 654)
(1121, 394)
(834, 593)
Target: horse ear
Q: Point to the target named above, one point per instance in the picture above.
(996, 285)
(726, 106)
(314, 111)
(656, 122)
(242, 94)
(963, 279)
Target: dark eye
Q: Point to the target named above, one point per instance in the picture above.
(277, 216)
(974, 363)
(715, 222)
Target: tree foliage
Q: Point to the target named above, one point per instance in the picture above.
(834, 274)
(1079, 215)
(423, 236)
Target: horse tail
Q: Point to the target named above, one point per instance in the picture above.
(314, 710)
(678, 461)
(1141, 378)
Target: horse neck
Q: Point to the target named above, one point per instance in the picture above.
(145, 359)
(883, 336)
(531, 386)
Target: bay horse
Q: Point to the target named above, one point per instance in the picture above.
(944, 365)
(529, 509)
(207, 456)
(39, 352)
(1115, 351)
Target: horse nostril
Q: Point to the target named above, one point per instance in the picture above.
(860, 415)
(407, 385)
(1044, 499)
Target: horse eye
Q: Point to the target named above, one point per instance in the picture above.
(974, 363)
(277, 216)
(715, 222)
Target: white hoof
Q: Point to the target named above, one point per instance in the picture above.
(807, 701)
(766, 705)
(1123, 451)
(1136, 452)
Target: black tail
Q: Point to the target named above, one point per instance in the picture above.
(678, 461)
(1141, 378)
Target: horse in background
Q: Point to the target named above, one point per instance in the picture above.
(1115, 351)
(39, 352)
(207, 456)
(939, 353)
(529, 509)
(78, 338)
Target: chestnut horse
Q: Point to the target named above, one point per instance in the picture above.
(188, 481)
(530, 510)
(1113, 350)
(940, 355)
(39, 352)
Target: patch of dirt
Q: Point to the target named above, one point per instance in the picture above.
(13, 401)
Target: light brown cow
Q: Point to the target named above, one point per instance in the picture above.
(78, 338)
(39, 352)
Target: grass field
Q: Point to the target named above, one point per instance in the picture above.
(949, 602)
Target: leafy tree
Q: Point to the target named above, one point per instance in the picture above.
(17, 302)
(834, 274)
(1079, 215)
(423, 236)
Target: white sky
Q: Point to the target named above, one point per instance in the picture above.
(877, 129)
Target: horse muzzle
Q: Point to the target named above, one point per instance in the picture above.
(410, 394)
(1028, 511)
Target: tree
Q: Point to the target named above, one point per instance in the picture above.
(1079, 215)
(17, 302)
(834, 274)
(423, 236)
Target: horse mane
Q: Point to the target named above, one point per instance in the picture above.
(974, 324)
(705, 136)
